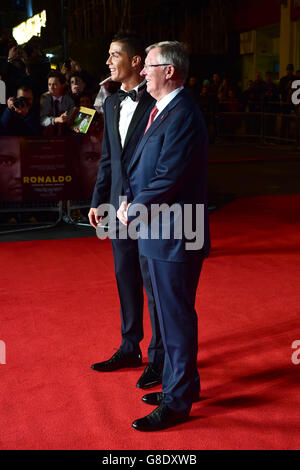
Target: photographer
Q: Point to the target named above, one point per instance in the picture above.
(13, 71)
(20, 117)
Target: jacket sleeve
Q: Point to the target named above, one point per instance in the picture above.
(14, 124)
(46, 113)
(101, 192)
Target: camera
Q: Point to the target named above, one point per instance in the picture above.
(20, 102)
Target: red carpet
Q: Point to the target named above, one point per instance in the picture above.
(55, 294)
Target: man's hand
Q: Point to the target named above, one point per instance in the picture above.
(94, 218)
(61, 119)
(24, 110)
(122, 212)
(10, 103)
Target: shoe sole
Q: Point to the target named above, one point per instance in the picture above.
(133, 366)
(161, 428)
(149, 385)
(157, 403)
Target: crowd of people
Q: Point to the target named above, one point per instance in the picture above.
(225, 95)
(42, 101)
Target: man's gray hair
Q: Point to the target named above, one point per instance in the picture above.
(173, 53)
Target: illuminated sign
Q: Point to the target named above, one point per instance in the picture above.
(31, 27)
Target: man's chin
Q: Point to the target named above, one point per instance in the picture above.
(115, 78)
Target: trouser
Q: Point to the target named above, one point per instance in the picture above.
(132, 273)
(174, 286)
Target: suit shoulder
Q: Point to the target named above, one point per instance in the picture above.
(187, 105)
(111, 99)
(45, 97)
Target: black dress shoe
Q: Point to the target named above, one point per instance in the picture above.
(156, 398)
(119, 361)
(161, 418)
(149, 378)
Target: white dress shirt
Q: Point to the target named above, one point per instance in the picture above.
(127, 108)
(161, 104)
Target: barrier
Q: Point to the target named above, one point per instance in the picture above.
(46, 175)
(267, 122)
(30, 208)
(73, 207)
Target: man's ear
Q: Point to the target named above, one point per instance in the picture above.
(136, 61)
(170, 71)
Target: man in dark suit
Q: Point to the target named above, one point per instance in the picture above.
(125, 116)
(56, 105)
(169, 168)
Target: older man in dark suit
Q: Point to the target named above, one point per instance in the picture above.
(125, 116)
(167, 177)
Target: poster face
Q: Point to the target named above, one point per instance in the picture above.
(48, 169)
(10, 170)
(87, 156)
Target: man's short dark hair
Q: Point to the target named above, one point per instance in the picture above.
(132, 43)
(79, 75)
(25, 88)
(57, 74)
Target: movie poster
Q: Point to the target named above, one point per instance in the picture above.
(48, 169)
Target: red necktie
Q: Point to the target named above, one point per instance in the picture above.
(152, 115)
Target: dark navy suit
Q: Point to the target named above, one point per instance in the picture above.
(170, 166)
(131, 270)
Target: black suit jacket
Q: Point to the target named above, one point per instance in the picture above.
(112, 175)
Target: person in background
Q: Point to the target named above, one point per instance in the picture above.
(21, 117)
(270, 94)
(56, 105)
(13, 71)
(215, 84)
(285, 84)
(37, 66)
(192, 88)
(77, 86)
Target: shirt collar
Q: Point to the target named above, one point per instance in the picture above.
(57, 99)
(161, 104)
(139, 89)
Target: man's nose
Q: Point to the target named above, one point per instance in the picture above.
(17, 174)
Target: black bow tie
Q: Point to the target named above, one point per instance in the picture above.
(123, 94)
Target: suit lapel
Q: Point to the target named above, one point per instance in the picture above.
(158, 121)
(142, 107)
(116, 115)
